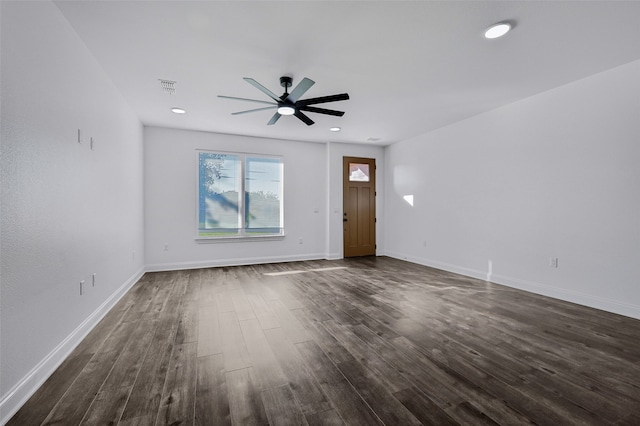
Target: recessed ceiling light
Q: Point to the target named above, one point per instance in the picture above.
(335, 129)
(497, 30)
(373, 139)
(177, 110)
(286, 110)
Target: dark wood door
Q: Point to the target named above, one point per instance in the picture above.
(359, 205)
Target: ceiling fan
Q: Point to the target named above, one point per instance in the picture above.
(290, 103)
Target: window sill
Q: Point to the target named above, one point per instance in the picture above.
(238, 239)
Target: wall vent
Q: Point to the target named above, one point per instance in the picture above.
(168, 86)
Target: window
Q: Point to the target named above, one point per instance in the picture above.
(239, 195)
(358, 172)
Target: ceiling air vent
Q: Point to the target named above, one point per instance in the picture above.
(168, 86)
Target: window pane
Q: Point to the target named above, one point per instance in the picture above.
(219, 194)
(358, 172)
(263, 195)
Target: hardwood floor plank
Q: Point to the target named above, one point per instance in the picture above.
(466, 413)
(374, 393)
(266, 368)
(212, 399)
(374, 340)
(233, 346)
(389, 375)
(371, 318)
(126, 368)
(336, 352)
(281, 407)
(73, 405)
(224, 301)
(178, 398)
(147, 391)
(295, 331)
(492, 397)
(141, 297)
(107, 407)
(148, 420)
(303, 384)
(263, 312)
(347, 402)
(324, 418)
(146, 394)
(45, 398)
(425, 410)
(242, 306)
(188, 326)
(245, 401)
(209, 333)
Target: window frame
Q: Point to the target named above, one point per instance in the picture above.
(242, 230)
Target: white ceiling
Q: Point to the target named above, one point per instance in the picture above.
(409, 67)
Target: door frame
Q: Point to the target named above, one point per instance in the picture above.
(368, 250)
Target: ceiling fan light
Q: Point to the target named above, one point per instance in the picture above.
(286, 110)
(497, 30)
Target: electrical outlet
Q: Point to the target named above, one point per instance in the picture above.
(553, 262)
(300, 240)
(166, 247)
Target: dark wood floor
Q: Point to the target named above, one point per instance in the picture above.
(360, 342)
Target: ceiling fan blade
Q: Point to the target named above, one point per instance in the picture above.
(321, 110)
(254, 110)
(300, 89)
(245, 99)
(304, 118)
(323, 99)
(275, 118)
(262, 89)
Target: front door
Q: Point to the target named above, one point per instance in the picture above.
(359, 204)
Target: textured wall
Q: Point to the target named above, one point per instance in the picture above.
(552, 176)
(67, 211)
(170, 200)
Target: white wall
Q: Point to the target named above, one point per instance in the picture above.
(554, 175)
(171, 194)
(67, 211)
(312, 194)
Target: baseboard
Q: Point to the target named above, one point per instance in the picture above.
(596, 302)
(333, 256)
(609, 305)
(456, 269)
(24, 389)
(175, 266)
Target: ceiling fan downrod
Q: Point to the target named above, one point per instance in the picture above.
(286, 82)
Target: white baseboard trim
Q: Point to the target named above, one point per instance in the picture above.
(23, 390)
(175, 266)
(596, 302)
(333, 256)
(473, 273)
